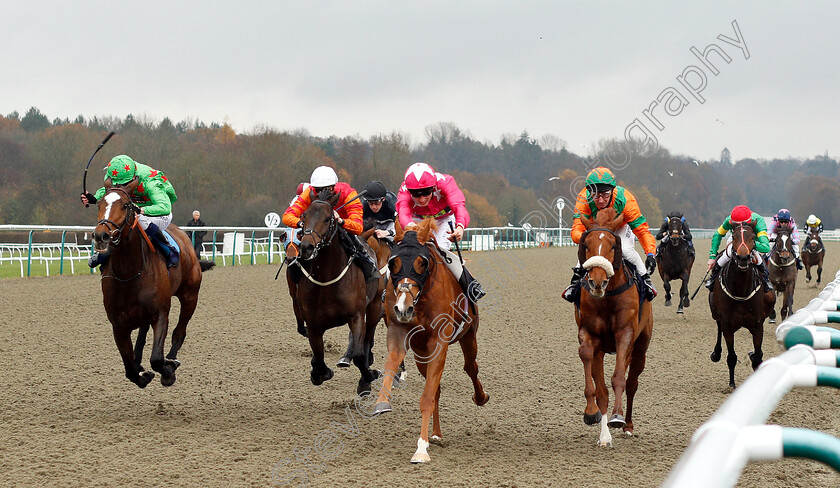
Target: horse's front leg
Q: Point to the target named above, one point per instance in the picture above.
(122, 337)
(685, 301)
(731, 357)
(393, 364)
(166, 367)
(819, 272)
(428, 400)
(360, 355)
(139, 344)
(667, 285)
(715, 355)
(757, 355)
(320, 371)
(624, 348)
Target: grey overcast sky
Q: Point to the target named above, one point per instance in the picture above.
(581, 71)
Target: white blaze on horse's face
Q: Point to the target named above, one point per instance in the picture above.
(404, 308)
(110, 199)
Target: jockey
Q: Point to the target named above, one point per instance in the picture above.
(380, 211)
(425, 193)
(349, 217)
(600, 192)
(740, 214)
(292, 241)
(783, 217)
(154, 195)
(663, 232)
(813, 224)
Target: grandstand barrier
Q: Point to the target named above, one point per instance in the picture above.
(736, 435)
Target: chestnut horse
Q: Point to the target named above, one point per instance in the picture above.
(333, 292)
(813, 254)
(781, 265)
(137, 287)
(674, 262)
(737, 300)
(611, 318)
(426, 312)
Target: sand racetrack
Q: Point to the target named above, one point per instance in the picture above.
(243, 406)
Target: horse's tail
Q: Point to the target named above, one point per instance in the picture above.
(206, 264)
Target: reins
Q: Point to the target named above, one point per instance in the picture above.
(131, 215)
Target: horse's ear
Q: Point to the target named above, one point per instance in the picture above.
(333, 199)
(131, 185)
(425, 230)
(108, 183)
(587, 223)
(617, 222)
(398, 230)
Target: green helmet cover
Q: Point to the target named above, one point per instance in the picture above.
(121, 169)
(600, 176)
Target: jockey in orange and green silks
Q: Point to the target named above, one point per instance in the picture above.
(602, 191)
(154, 195)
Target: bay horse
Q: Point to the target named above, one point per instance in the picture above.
(781, 265)
(737, 300)
(137, 287)
(611, 318)
(333, 292)
(426, 312)
(813, 254)
(674, 262)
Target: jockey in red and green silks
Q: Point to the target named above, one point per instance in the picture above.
(154, 195)
(740, 214)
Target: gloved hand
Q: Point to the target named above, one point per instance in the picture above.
(300, 224)
(89, 197)
(650, 263)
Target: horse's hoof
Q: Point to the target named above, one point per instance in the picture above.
(686, 302)
(167, 380)
(616, 421)
(680, 310)
(436, 440)
(667, 303)
(317, 379)
(772, 321)
(628, 433)
(363, 389)
(382, 407)
(592, 419)
(420, 457)
(604, 444)
(144, 379)
(344, 362)
(483, 401)
(714, 356)
(302, 331)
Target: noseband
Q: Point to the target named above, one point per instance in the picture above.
(408, 250)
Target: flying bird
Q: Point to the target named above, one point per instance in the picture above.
(721, 122)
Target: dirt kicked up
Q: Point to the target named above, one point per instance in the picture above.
(244, 413)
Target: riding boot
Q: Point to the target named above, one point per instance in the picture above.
(470, 286)
(97, 259)
(710, 283)
(363, 258)
(765, 276)
(799, 263)
(571, 291)
(691, 248)
(169, 252)
(650, 291)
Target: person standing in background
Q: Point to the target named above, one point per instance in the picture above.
(197, 236)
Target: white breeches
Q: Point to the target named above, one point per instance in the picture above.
(162, 221)
(442, 238)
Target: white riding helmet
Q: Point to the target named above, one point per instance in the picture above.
(323, 176)
(812, 219)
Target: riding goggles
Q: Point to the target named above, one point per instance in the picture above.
(421, 192)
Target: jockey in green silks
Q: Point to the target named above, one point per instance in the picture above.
(154, 195)
(740, 215)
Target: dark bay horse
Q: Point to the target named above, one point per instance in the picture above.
(813, 254)
(427, 311)
(737, 300)
(674, 262)
(333, 292)
(611, 318)
(137, 287)
(781, 264)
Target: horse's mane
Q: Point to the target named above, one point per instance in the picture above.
(426, 230)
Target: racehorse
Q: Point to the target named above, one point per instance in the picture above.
(137, 287)
(611, 318)
(737, 300)
(813, 254)
(675, 261)
(783, 273)
(333, 292)
(427, 311)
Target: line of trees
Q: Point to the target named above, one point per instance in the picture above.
(235, 179)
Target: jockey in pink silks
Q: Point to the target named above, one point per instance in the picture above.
(425, 193)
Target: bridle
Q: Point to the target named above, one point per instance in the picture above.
(403, 283)
(784, 252)
(674, 236)
(115, 230)
(742, 263)
(323, 240)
